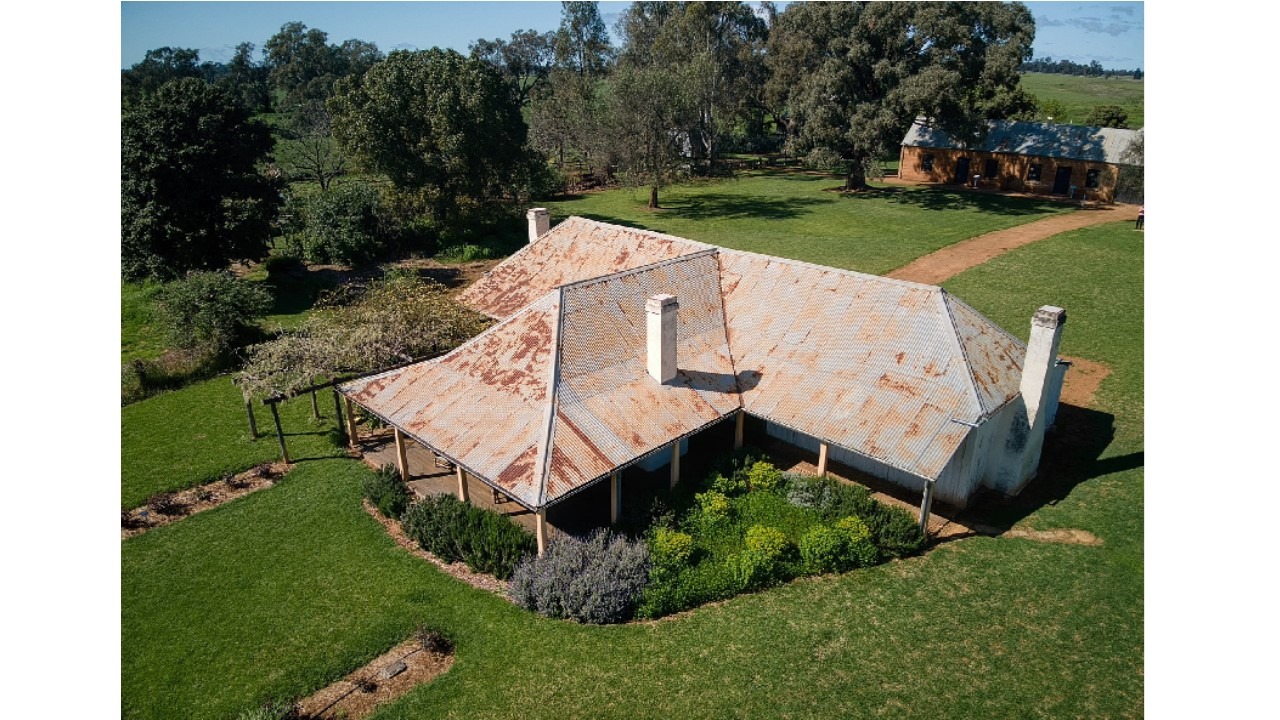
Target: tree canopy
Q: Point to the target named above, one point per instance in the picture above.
(1112, 116)
(525, 60)
(438, 123)
(305, 67)
(864, 71)
(192, 194)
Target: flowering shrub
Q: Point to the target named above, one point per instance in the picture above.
(670, 549)
(765, 477)
(597, 580)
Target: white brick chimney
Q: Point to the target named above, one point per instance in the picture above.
(539, 223)
(660, 311)
(1039, 371)
(1020, 426)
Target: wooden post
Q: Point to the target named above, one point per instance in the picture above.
(926, 504)
(675, 463)
(337, 413)
(275, 415)
(315, 405)
(253, 422)
(822, 459)
(402, 456)
(738, 429)
(615, 497)
(541, 523)
(463, 493)
(353, 435)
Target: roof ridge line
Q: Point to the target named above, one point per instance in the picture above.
(713, 250)
(964, 353)
(628, 228)
(842, 271)
(543, 463)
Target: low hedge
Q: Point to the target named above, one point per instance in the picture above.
(596, 580)
(456, 531)
(386, 491)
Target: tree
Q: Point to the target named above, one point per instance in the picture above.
(246, 80)
(436, 122)
(525, 60)
(1130, 181)
(304, 66)
(647, 108)
(158, 67)
(1112, 116)
(1051, 110)
(582, 41)
(717, 47)
(192, 194)
(865, 70)
(309, 151)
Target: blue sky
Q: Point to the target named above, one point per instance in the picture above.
(1109, 32)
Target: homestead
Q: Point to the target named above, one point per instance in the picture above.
(615, 346)
(1040, 158)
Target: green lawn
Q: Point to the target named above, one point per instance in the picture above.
(292, 587)
(1080, 94)
(793, 214)
(140, 339)
(186, 437)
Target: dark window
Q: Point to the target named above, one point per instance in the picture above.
(1033, 172)
(1091, 179)
(991, 168)
(926, 163)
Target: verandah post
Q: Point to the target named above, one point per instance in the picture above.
(275, 415)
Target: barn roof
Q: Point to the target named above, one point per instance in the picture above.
(556, 396)
(1070, 142)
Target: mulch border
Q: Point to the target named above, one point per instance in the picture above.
(215, 493)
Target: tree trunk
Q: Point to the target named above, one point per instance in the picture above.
(653, 197)
(857, 179)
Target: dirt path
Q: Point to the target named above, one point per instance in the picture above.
(952, 260)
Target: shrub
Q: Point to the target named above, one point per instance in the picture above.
(284, 268)
(765, 477)
(860, 550)
(210, 310)
(895, 532)
(455, 531)
(712, 506)
(348, 224)
(386, 491)
(732, 484)
(693, 586)
(433, 639)
(597, 580)
(822, 550)
(670, 549)
(166, 503)
(760, 563)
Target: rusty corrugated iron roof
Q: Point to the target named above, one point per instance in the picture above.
(576, 249)
(557, 395)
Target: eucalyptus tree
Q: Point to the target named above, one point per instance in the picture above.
(581, 43)
(648, 106)
(861, 72)
(525, 60)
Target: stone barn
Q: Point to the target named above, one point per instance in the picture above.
(1073, 161)
(614, 346)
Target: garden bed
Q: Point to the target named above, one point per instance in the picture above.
(165, 508)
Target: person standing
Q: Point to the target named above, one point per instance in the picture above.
(1141, 214)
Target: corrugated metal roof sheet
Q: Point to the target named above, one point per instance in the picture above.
(576, 249)
(1071, 142)
(558, 395)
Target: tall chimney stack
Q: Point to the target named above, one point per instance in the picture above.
(539, 223)
(1039, 367)
(660, 311)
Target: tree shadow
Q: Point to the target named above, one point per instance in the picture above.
(724, 206)
(957, 199)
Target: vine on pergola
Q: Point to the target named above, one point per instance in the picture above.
(360, 329)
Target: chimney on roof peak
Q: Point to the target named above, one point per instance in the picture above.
(660, 312)
(539, 223)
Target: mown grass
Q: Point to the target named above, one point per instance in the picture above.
(1080, 94)
(292, 587)
(190, 436)
(798, 215)
(140, 337)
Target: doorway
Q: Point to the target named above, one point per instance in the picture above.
(962, 170)
(1062, 181)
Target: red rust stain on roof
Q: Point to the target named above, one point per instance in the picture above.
(899, 357)
(902, 386)
(520, 471)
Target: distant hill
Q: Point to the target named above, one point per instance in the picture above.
(1080, 94)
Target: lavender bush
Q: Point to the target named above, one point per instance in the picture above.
(597, 580)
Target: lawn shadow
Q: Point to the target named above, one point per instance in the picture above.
(938, 198)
